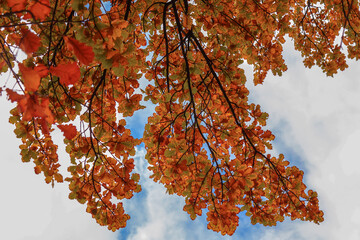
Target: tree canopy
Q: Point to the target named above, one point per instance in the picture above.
(81, 70)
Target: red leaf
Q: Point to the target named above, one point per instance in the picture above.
(68, 130)
(31, 78)
(29, 42)
(17, 5)
(41, 9)
(42, 70)
(13, 96)
(46, 113)
(68, 73)
(32, 106)
(44, 126)
(82, 51)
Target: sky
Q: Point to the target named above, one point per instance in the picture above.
(316, 120)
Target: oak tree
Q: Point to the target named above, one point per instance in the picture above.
(81, 69)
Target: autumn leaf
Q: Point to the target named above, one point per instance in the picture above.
(83, 52)
(120, 23)
(46, 113)
(31, 78)
(13, 96)
(68, 130)
(41, 9)
(117, 58)
(29, 42)
(17, 5)
(69, 73)
(2, 65)
(37, 169)
(32, 106)
(42, 70)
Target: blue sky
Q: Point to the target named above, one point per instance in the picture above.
(317, 125)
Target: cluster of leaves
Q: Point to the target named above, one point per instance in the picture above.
(206, 142)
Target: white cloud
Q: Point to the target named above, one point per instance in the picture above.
(164, 216)
(159, 215)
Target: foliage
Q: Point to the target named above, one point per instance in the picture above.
(81, 74)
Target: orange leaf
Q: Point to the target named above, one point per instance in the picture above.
(46, 113)
(121, 23)
(68, 73)
(42, 70)
(69, 131)
(17, 5)
(32, 106)
(82, 51)
(13, 96)
(117, 58)
(37, 169)
(41, 9)
(31, 78)
(44, 126)
(29, 42)
(58, 177)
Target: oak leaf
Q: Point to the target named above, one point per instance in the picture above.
(31, 78)
(69, 73)
(41, 9)
(68, 130)
(13, 96)
(117, 58)
(32, 106)
(46, 113)
(29, 42)
(83, 52)
(17, 5)
(42, 70)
